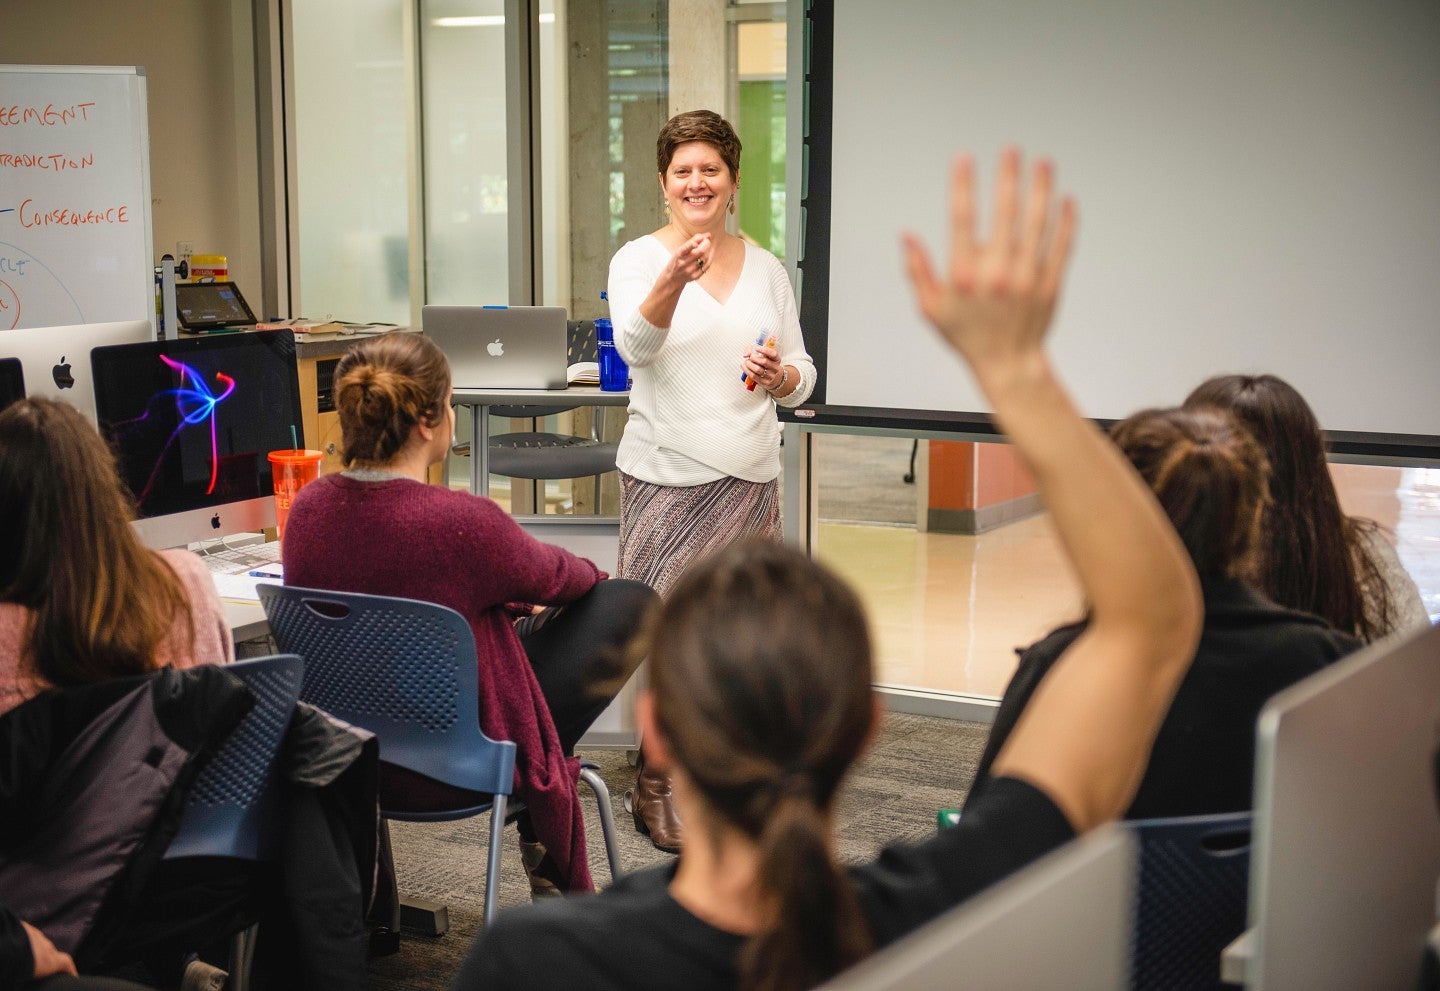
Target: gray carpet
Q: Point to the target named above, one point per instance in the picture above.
(917, 766)
(861, 479)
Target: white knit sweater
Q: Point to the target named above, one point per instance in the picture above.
(692, 420)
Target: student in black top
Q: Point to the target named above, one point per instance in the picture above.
(1212, 478)
(760, 691)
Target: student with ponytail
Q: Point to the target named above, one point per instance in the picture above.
(760, 700)
(1213, 480)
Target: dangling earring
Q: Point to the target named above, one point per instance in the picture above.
(665, 205)
(731, 207)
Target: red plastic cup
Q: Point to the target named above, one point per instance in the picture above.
(291, 470)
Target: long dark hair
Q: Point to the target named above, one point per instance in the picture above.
(1316, 558)
(383, 388)
(1210, 476)
(100, 602)
(761, 672)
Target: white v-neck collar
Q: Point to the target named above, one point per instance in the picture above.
(744, 263)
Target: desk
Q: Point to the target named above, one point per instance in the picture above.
(479, 402)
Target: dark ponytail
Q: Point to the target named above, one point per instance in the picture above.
(761, 672)
(1212, 479)
(805, 884)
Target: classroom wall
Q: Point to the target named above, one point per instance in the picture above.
(198, 57)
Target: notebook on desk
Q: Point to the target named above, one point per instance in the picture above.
(504, 347)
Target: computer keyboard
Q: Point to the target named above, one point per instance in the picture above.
(223, 560)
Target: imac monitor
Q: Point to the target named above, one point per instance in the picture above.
(56, 360)
(12, 381)
(192, 423)
(1347, 830)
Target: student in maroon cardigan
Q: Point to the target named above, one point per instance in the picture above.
(546, 674)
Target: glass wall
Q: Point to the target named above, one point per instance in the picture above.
(463, 148)
(350, 154)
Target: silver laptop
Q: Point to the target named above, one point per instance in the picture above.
(1061, 924)
(501, 347)
(56, 360)
(1347, 833)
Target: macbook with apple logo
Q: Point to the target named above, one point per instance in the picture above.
(501, 347)
(55, 361)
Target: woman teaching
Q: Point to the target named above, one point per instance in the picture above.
(709, 326)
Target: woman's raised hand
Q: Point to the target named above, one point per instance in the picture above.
(995, 302)
(691, 259)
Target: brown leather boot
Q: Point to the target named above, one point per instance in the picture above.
(655, 816)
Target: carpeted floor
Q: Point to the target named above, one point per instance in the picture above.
(861, 479)
(917, 766)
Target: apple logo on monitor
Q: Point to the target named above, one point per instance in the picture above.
(215, 522)
(495, 348)
(61, 374)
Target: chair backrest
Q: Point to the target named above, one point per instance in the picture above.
(1190, 899)
(583, 345)
(402, 669)
(231, 810)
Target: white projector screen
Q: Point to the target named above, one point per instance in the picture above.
(1258, 187)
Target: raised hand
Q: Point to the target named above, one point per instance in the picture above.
(996, 299)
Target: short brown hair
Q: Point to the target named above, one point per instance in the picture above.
(383, 388)
(699, 125)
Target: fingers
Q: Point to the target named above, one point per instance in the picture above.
(922, 276)
(1007, 186)
(1052, 270)
(962, 222)
(1032, 232)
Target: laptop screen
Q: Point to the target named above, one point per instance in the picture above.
(211, 306)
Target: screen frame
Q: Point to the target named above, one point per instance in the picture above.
(202, 326)
(816, 216)
(222, 519)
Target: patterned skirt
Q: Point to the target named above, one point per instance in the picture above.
(666, 528)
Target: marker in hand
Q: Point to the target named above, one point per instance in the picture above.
(762, 340)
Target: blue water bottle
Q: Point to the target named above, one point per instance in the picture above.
(614, 373)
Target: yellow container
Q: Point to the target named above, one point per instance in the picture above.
(204, 267)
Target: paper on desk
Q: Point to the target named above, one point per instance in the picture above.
(243, 587)
(584, 373)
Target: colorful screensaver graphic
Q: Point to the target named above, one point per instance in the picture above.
(196, 403)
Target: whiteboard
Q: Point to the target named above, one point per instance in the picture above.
(75, 234)
(1258, 189)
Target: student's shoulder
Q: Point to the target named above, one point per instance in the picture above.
(187, 565)
(586, 941)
